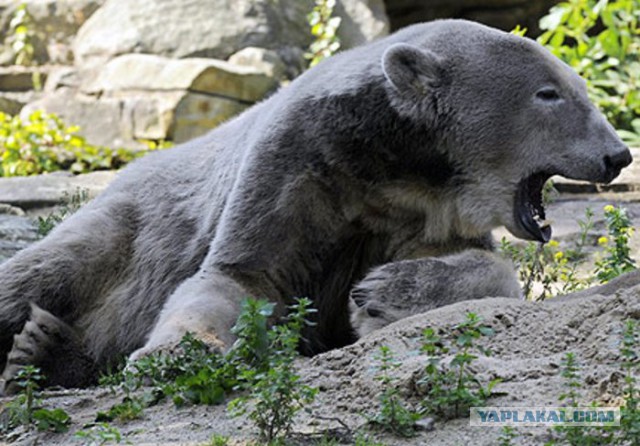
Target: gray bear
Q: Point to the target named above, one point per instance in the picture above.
(413, 146)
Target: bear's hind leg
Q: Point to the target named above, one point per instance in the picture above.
(70, 271)
(54, 347)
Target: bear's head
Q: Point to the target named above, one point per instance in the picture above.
(512, 115)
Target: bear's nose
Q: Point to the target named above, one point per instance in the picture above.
(615, 163)
(620, 160)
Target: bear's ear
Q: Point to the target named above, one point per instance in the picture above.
(411, 70)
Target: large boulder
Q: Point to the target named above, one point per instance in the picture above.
(216, 28)
(142, 96)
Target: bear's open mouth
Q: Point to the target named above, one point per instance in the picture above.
(529, 212)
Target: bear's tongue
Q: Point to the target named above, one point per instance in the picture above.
(528, 207)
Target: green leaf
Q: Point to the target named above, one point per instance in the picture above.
(557, 15)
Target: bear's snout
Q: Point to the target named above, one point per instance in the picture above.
(613, 164)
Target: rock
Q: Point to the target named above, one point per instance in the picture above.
(16, 233)
(142, 96)
(195, 114)
(61, 77)
(10, 105)
(262, 60)
(100, 122)
(215, 28)
(50, 189)
(55, 23)
(12, 102)
(18, 78)
(144, 72)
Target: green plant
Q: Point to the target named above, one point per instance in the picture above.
(99, 435)
(25, 410)
(628, 433)
(576, 435)
(70, 204)
(507, 435)
(451, 389)
(323, 28)
(260, 362)
(56, 420)
(21, 36)
(570, 372)
(43, 143)
(630, 412)
(193, 374)
(392, 415)
(618, 259)
(600, 39)
(218, 440)
(252, 346)
(362, 440)
(131, 408)
(554, 270)
(275, 392)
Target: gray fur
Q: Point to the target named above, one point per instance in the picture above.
(301, 195)
(400, 289)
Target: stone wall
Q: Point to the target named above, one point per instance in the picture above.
(127, 70)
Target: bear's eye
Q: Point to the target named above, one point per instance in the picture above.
(548, 94)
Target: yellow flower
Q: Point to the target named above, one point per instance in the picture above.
(553, 243)
(558, 255)
(609, 208)
(603, 241)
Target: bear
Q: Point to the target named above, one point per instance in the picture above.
(407, 148)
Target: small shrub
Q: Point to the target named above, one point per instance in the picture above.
(630, 412)
(56, 420)
(452, 389)
(556, 271)
(25, 410)
(260, 362)
(618, 253)
(507, 436)
(69, 206)
(600, 39)
(21, 37)
(392, 415)
(218, 440)
(323, 28)
(43, 143)
(628, 433)
(99, 435)
(193, 375)
(362, 440)
(131, 408)
(275, 392)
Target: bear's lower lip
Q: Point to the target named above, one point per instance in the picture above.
(528, 209)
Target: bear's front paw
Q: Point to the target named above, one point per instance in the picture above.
(175, 346)
(367, 302)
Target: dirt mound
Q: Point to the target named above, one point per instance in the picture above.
(528, 346)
